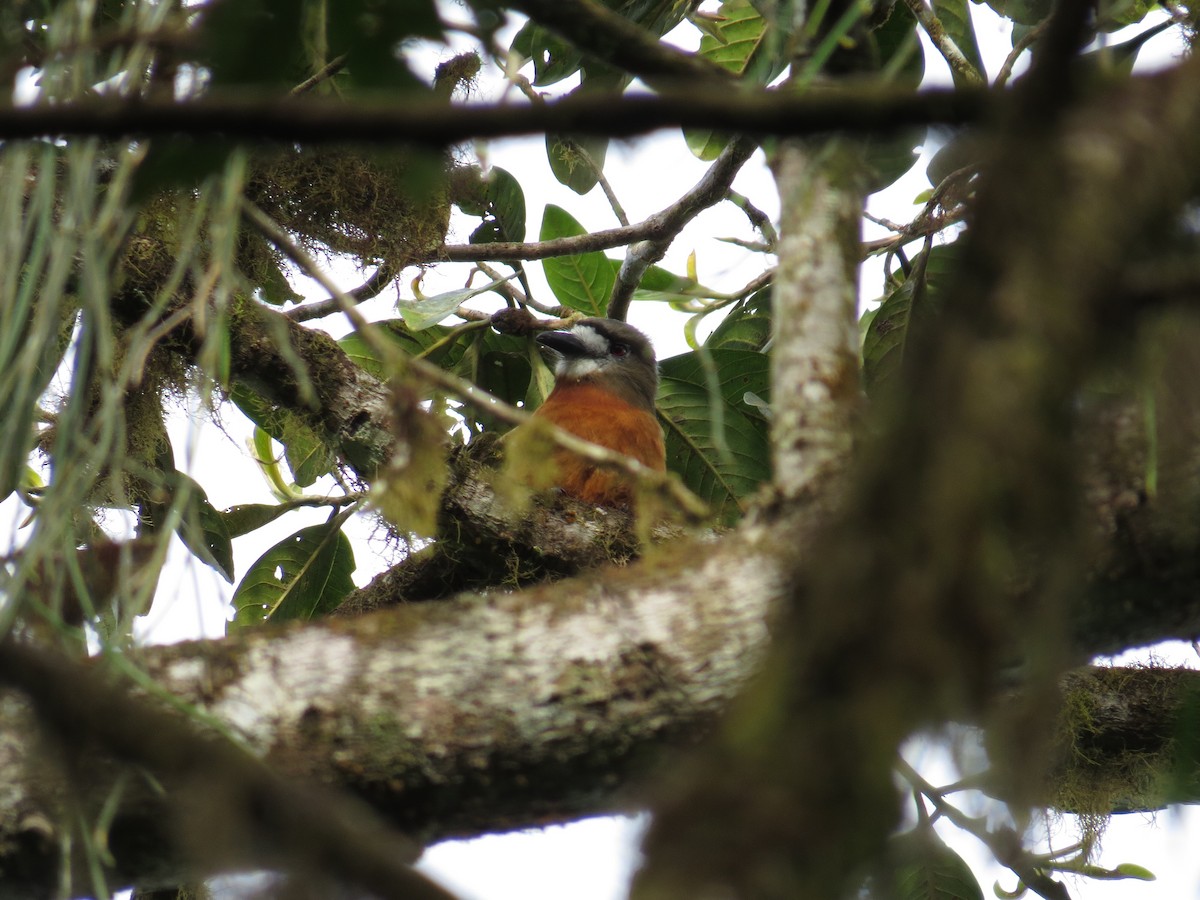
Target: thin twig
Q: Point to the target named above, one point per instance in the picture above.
(328, 70)
(1018, 48)
(757, 217)
(1004, 844)
(602, 180)
(369, 289)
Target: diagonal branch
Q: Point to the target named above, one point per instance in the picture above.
(666, 225)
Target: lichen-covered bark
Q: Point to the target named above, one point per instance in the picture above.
(479, 714)
(815, 362)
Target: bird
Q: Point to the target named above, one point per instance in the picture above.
(605, 381)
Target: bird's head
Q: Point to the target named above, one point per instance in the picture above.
(607, 352)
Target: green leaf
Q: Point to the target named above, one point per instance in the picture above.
(428, 311)
(253, 42)
(746, 327)
(1132, 870)
(706, 145)
(889, 330)
(1023, 12)
(503, 209)
(955, 16)
(203, 530)
(899, 46)
(307, 455)
(247, 517)
(924, 868)
(584, 281)
(303, 576)
(553, 58)
(177, 162)
(568, 164)
(736, 38)
(660, 286)
(685, 407)
(369, 32)
(397, 333)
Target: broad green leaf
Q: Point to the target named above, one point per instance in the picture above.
(1113, 15)
(736, 38)
(305, 575)
(506, 202)
(397, 332)
(746, 327)
(900, 56)
(428, 311)
(706, 145)
(568, 164)
(924, 868)
(887, 157)
(254, 42)
(660, 286)
(955, 16)
(1023, 12)
(890, 329)
(369, 31)
(247, 517)
(307, 455)
(553, 58)
(497, 198)
(498, 363)
(686, 411)
(584, 281)
(202, 529)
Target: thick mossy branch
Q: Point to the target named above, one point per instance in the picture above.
(385, 207)
(1127, 741)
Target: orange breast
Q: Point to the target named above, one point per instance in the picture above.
(594, 414)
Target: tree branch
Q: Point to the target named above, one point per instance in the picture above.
(298, 826)
(666, 225)
(432, 123)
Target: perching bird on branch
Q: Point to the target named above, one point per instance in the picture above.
(605, 380)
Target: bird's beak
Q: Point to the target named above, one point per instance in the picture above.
(563, 343)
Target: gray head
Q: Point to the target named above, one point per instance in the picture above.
(607, 351)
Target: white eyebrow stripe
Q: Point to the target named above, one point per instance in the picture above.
(596, 343)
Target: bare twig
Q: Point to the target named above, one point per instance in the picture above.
(710, 189)
(370, 288)
(602, 180)
(1004, 844)
(1018, 48)
(757, 217)
(328, 70)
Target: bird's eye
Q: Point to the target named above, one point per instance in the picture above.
(619, 350)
